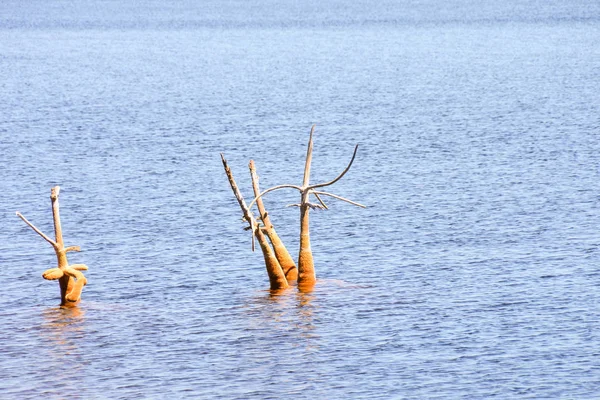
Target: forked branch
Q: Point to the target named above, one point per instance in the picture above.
(335, 196)
(306, 188)
(276, 274)
(70, 280)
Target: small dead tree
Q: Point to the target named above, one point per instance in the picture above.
(306, 267)
(70, 278)
(276, 274)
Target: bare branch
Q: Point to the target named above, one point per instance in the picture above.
(238, 195)
(259, 203)
(335, 196)
(72, 248)
(311, 205)
(339, 176)
(272, 189)
(309, 151)
(52, 242)
(321, 201)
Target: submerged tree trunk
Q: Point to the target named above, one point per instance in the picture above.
(70, 279)
(277, 277)
(283, 256)
(306, 265)
(65, 282)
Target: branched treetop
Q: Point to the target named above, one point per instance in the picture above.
(307, 189)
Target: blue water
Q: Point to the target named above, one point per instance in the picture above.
(473, 272)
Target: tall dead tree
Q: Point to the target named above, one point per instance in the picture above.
(70, 278)
(276, 274)
(306, 266)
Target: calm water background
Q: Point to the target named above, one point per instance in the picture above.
(473, 273)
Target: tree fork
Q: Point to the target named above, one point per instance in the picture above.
(277, 277)
(306, 268)
(70, 279)
(283, 256)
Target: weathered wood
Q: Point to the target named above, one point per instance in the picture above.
(276, 275)
(306, 269)
(306, 264)
(71, 281)
(283, 256)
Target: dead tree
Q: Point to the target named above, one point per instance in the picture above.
(306, 267)
(70, 278)
(283, 256)
(276, 274)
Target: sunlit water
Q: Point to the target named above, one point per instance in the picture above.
(473, 273)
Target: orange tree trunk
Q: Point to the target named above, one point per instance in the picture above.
(66, 282)
(276, 276)
(306, 265)
(283, 256)
(277, 279)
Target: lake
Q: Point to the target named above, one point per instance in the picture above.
(472, 273)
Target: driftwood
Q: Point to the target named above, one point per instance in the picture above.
(306, 267)
(70, 278)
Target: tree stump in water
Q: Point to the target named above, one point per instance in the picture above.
(70, 278)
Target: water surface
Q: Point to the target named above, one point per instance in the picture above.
(473, 273)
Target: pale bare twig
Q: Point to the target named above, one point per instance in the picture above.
(238, 195)
(340, 198)
(340, 175)
(273, 189)
(321, 201)
(306, 188)
(46, 238)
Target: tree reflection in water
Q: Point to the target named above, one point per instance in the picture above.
(62, 330)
